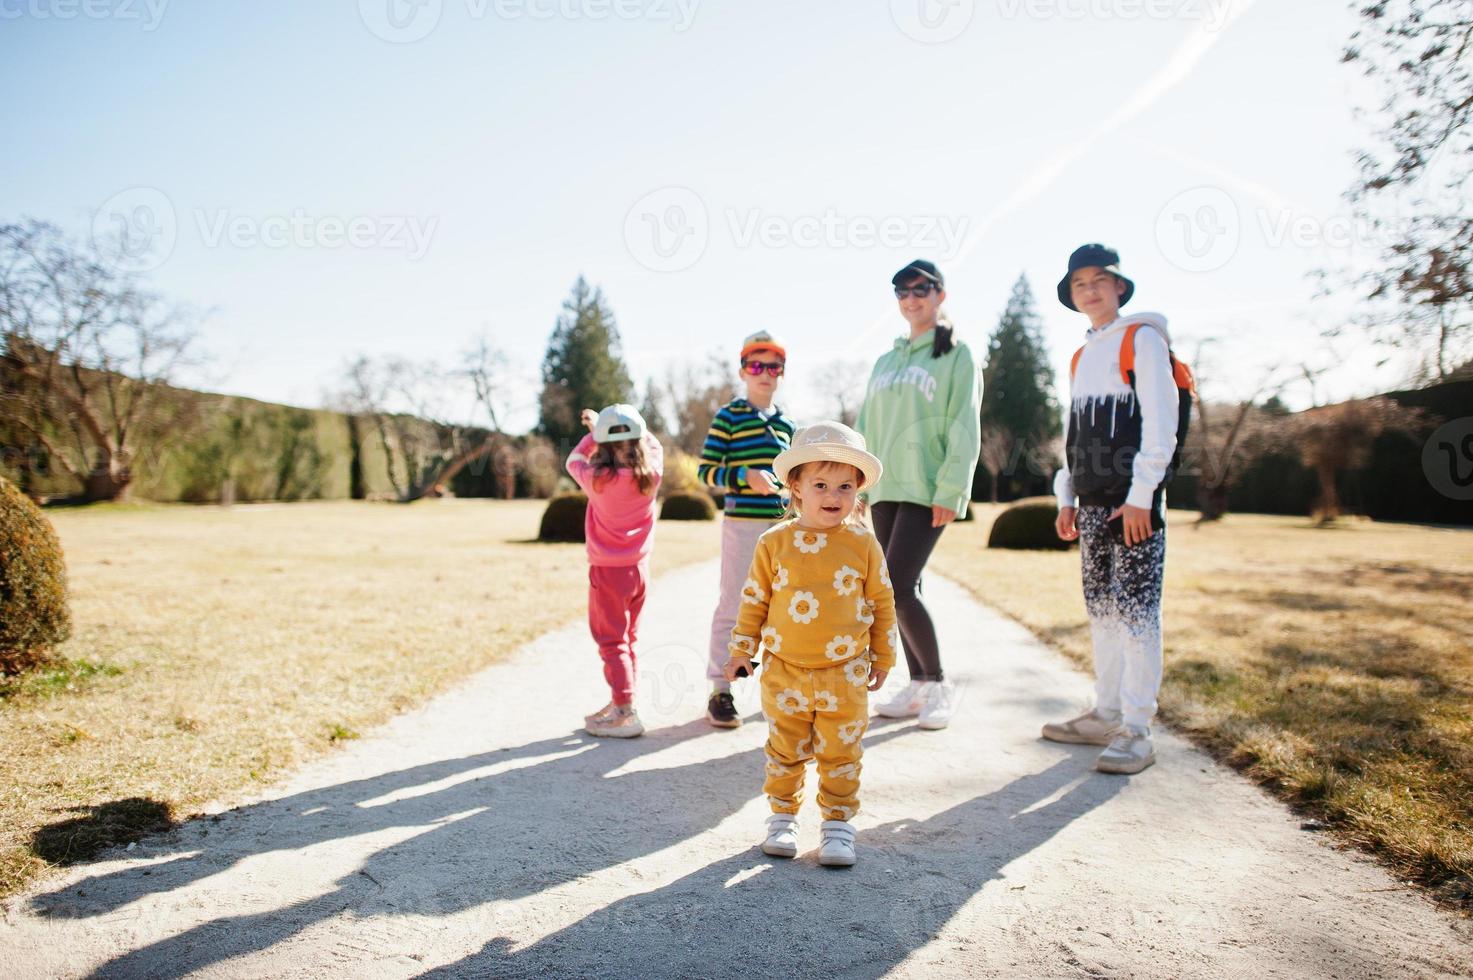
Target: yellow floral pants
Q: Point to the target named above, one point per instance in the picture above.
(818, 714)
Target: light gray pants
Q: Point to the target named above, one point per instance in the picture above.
(738, 544)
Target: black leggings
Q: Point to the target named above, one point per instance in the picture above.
(907, 537)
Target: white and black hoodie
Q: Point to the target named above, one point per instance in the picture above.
(1119, 443)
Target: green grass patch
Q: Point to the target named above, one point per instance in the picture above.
(68, 676)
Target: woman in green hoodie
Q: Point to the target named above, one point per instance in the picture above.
(922, 417)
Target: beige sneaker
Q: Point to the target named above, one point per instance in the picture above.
(615, 721)
(1129, 753)
(1088, 729)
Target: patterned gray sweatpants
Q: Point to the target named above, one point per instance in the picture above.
(1122, 593)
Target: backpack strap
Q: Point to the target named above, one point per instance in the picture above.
(1127, 354)
(1180, 373)
(1074, 363)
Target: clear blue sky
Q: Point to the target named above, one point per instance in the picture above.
(523, 141)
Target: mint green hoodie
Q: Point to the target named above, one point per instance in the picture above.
(922, 417)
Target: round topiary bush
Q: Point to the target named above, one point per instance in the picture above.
(563, 519)
(33, 599)
(1028, 525)
(688, 507)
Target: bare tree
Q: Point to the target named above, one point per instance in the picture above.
(997, 454)
(842, 383)
(1421, 293)
(418, 410)
(1334, 438)
(1230, 434)
(695, 391)
(89, 355)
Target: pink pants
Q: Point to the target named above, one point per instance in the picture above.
(615, 600)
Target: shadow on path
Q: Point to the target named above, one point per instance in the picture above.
(550, 812)
(752, 915)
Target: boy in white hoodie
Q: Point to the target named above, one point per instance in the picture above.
(1120, 445)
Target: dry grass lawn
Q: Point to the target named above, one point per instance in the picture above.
(1335, 665)
(214, 647)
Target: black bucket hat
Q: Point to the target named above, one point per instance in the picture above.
(1102, 257)
(920, 267)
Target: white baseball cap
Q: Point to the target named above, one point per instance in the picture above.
(831, 442)
(618, 423)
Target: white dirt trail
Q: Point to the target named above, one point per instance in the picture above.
(485, 835)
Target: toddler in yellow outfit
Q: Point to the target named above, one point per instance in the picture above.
(818, 601)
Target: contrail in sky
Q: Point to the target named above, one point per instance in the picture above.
(1041, 177)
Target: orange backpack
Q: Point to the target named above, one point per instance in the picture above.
(1186, 383)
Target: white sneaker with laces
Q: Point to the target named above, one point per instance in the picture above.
(939, 706)
(907, 703)
(782, 836)
(837, 847)
(1129, 753)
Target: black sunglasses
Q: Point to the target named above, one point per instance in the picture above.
(919, 292)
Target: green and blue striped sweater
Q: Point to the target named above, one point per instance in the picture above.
(740, 437)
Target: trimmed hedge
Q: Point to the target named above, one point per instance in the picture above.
(563, 518)
(33, 594)
(1028, 525)
(688, 507)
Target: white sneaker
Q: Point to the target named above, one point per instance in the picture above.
(906, 704)
(782, 836)
(939, 705)
(615, 721)
(837, 848)
(1090, 728)
(1129, 753)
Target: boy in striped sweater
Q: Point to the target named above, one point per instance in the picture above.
(745, 437)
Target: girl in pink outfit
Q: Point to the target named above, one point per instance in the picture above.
(618, 464)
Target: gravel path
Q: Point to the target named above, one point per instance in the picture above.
(484, 835)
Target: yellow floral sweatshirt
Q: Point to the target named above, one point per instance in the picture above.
(817, 598)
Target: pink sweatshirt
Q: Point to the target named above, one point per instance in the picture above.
(621, 521)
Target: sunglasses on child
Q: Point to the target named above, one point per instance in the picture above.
(919, 292)
(754, 368)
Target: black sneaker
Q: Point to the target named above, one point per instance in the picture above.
(721, 711)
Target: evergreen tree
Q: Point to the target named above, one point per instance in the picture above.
(1018, 405)
(583, 367)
